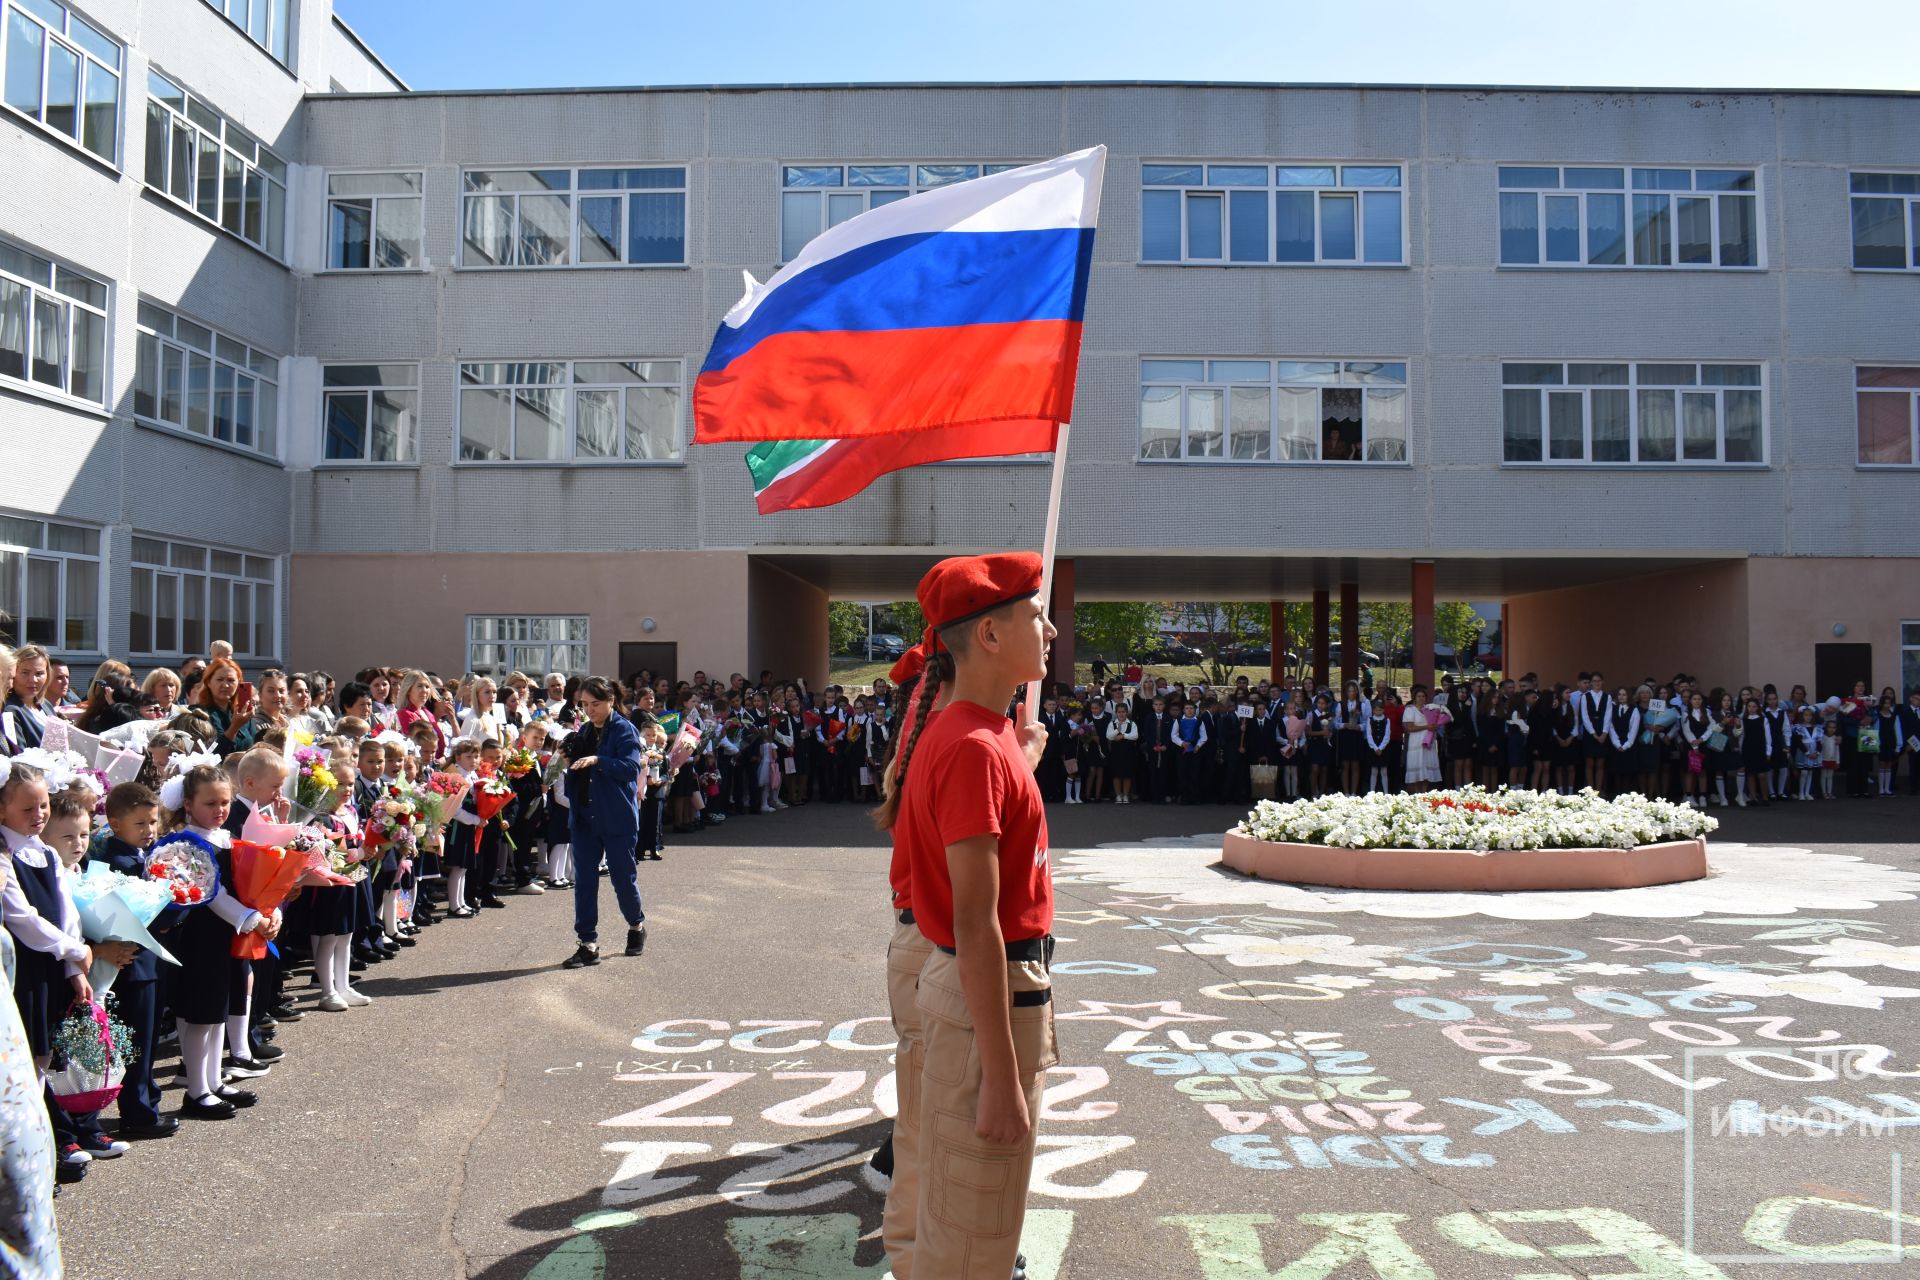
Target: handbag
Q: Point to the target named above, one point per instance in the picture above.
(1717, 740)
(1696, 763)
(1073, 768)
(1869, 741)
(1265, 780)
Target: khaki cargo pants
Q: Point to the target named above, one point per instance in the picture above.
(906, 956)
(973, 1193)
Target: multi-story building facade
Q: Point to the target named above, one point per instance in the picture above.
(1643, 365)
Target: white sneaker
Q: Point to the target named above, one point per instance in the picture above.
(531, 888)
(332, 1004)
(1741, 799)
(355, 999)
(767, 808)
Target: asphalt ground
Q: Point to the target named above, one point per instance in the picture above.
(1256, 1080)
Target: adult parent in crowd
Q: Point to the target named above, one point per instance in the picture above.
(25, 716)
(603, 779)
(228, 702)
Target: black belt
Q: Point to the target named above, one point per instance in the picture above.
(906, 915)
(1029, 999)
(1026, 951)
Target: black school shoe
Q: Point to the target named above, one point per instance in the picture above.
(211, 1107)
(636, 939)
(162, 1127)
(588, 953)
(242, 1098)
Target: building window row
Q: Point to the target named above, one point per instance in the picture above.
(53, 325)
(266, 23)
(1622, 216)
(573, 217)
(1351, 214)
(814, 197)
(535, 645)
(585, 411)
(1273, 410)
(1596, 412)
(1886, 221)
(49, 584)
(374, 221)
(187, 594)
(370, 412)
(201, 381)
(212, 166)
(65, 73)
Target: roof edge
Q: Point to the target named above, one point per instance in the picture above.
(405, 89)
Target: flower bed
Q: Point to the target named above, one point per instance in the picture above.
(1472, 839)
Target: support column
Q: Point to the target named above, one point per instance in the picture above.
(1506, 642)
(1423, 622)
(1322, 619)
(1060, 609)
(1349, 631)
(1276, 640)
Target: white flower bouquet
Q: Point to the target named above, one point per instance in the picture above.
(1475, 818)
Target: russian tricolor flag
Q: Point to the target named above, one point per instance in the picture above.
(955, 313)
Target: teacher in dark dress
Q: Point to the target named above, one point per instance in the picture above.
(603, 778)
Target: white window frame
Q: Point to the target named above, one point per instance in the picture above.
(475, 621)
(1627, 192)
(418, 199)
(408, 452)
(208, 128)
(1913, 418)
(1348, 374)
(1909, 659)
(1909, 221)
(272, 35)
(160, 341)
(1273, 188)
(919, 179)
(62, 289)
(88, 57)
(1632, 387)
(40, 549)
(568, 388)
(573, 194)
(177, 570)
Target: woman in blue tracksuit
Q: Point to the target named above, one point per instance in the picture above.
(603, 794)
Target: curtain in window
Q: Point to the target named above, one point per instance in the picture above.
(13, 329)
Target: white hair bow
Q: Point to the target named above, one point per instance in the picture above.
(173, 794)
(181, 761)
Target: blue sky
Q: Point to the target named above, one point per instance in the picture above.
(493, 44)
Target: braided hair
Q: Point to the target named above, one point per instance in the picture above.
(894, 779)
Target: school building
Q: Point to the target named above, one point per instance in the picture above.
(349, 373)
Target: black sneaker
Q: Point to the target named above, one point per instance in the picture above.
(72, 1164)
(287, 1013)
(242, 1098)
(588, 953)
(239, 1068)
(268, 1053)
(636, 939)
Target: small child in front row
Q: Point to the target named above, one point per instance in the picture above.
(463, 835)
(259, 814)
(1808, 739)
(133, 820)
(333, 910)
(213, 984)
(1378, 732)
(1829, 757)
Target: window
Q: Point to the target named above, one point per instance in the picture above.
(496, 646)
(1685, 414)
(1887, 401)
(1617, 216)
(374, 221)
(1886, 221)
(266, 23)
(814, 197)
(1291, 214)
(49, 585)
(53, 325)
(65, 73)
(1909, 657)
(199, 380)
(214, 167)
(371, 412)
(1273, 410)
(186, 595)
(573, 217)
(588, 411)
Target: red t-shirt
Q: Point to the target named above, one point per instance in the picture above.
(899, 874)
(969, 777)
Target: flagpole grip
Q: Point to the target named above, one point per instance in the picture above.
(1049, 543)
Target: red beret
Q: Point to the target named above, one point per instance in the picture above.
(911, 664)
(965, 587)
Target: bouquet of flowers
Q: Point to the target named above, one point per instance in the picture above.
(184, 863)
(118, 908)
(439, 796)
(329, 857)
(315, 789)
(392, 822)
(264, 875)
(91, 1052)
(519, 763)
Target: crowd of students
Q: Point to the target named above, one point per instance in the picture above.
(1677, 739)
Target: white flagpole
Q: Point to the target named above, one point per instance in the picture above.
(1049, 542)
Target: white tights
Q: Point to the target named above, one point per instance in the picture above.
(200, 1047)
(560, 861)
(390, 913)
(456, 888)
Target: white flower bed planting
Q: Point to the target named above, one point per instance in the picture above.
(1475, 818)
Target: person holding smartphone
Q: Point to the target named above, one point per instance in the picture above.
(228, 701)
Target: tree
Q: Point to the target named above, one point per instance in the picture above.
(908, 622)
(1458, 625)
(1389, 624)
(1115, 628)
(1228, 624)
(846, 626)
